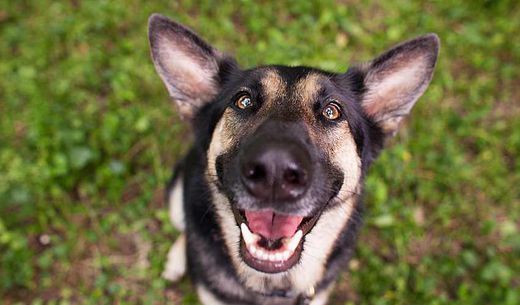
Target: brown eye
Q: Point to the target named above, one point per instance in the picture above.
(244, 102)
(331, 111)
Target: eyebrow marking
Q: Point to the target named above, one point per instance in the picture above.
(273, 85)
(309, 87)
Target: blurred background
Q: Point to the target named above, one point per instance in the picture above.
(88, 137)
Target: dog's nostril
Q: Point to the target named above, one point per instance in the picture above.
(294, 176)
(256, 179)
(255, 172)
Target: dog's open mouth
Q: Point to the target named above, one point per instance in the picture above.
(272, 242)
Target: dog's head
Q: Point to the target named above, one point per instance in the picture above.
(288, 146)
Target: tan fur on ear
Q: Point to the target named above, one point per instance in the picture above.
(187, 65)
(188, 78)
(395, 80)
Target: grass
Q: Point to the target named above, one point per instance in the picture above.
(87, 139)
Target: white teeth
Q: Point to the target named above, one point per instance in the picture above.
(249, 237)
(295, 240)
(279, 255)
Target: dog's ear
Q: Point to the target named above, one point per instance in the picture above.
(191, 69)
(396, 79)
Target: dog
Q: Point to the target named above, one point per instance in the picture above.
(268, 197)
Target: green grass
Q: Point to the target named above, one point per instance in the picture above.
(88, 136)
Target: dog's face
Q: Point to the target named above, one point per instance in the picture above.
(288, 146)
(282, 149)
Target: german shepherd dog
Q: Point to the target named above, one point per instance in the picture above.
(268, 197)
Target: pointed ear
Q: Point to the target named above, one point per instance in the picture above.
(396, 79)
(190, 68)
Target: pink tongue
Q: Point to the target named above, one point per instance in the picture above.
(271, 225)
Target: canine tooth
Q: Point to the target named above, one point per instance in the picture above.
(249, 237)
(295, 240)
(286, 254)
(278, 256)
(253, 250)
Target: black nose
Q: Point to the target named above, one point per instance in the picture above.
(277, 171)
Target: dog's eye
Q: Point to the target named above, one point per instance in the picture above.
(331, 111)
(244, 101)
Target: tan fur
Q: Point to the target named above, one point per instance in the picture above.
(306, 93)
(308, 88)
(273, 86)
(391, 89)
(176, 208)
(176, 263)
(197, 74)
(175, 266)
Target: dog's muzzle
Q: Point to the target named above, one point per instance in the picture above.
(275, 171)
(278, 188)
